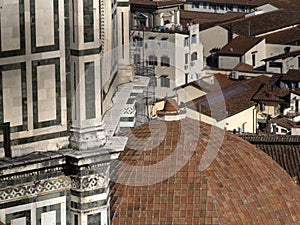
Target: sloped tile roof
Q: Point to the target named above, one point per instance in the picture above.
(243, 67)
(238, 97)
(239, 45)
(285, 122)
(241, 186)
(155, 3)
(292, 75)
(270, 92)
(235, 2)
(284, 37)
(206, 19)
(263, 23)
(283, 56)
(284, 149)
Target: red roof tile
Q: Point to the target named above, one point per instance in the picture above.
(207, 20)
(263, 23)
(270, 92)
(236, 2)
(292, 75)
(285, 122)
(284, 149)
(239, 45)
(243, 67)
(238, 97)
(284, 37)
(283, 56)
(155, 3)
(241, 186)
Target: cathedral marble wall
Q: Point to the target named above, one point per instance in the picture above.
(33, 72)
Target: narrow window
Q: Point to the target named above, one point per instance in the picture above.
(152, 60)
(186, 42)
(164, 43)
(186, 58)
(164, 81)
(165, 61)
(194, 39)
(152, 42)
(253, 60)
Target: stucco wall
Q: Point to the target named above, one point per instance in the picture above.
(228, 62)
(215, 37)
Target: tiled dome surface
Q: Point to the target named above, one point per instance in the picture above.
(242, 185)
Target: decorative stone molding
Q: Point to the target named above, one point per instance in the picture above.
(87, 183)
(17, 175)
(34, 188)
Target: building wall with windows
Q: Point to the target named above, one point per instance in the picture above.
(215, 7)
(144, 15)
(177, 56)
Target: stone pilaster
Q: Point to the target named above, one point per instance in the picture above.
(86, 47)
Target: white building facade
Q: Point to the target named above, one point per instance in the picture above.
(176, 56)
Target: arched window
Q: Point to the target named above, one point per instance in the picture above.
(165, 61)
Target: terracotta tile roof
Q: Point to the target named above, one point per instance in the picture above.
(235, 2)
(155, 3)
(285, 122)
(237, 98)
(271, 92)
(284, 4)
(241, 186)
(283, 56)
(239, 45)
(284, 149)
(243, 67)
(276, 94)
(292, 75)
(284, 37)
(207, 20)
(263, 23)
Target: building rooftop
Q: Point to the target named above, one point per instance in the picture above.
(285, 122)
(155, 4)
(284, 149)
(285, 37)
(239, 45)
(237, 97)
(235, 2)
(292, 75)
(243, 67)
(206, 19)
(269, 93)
(241, 186)
(264, 23)
(283, 55)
